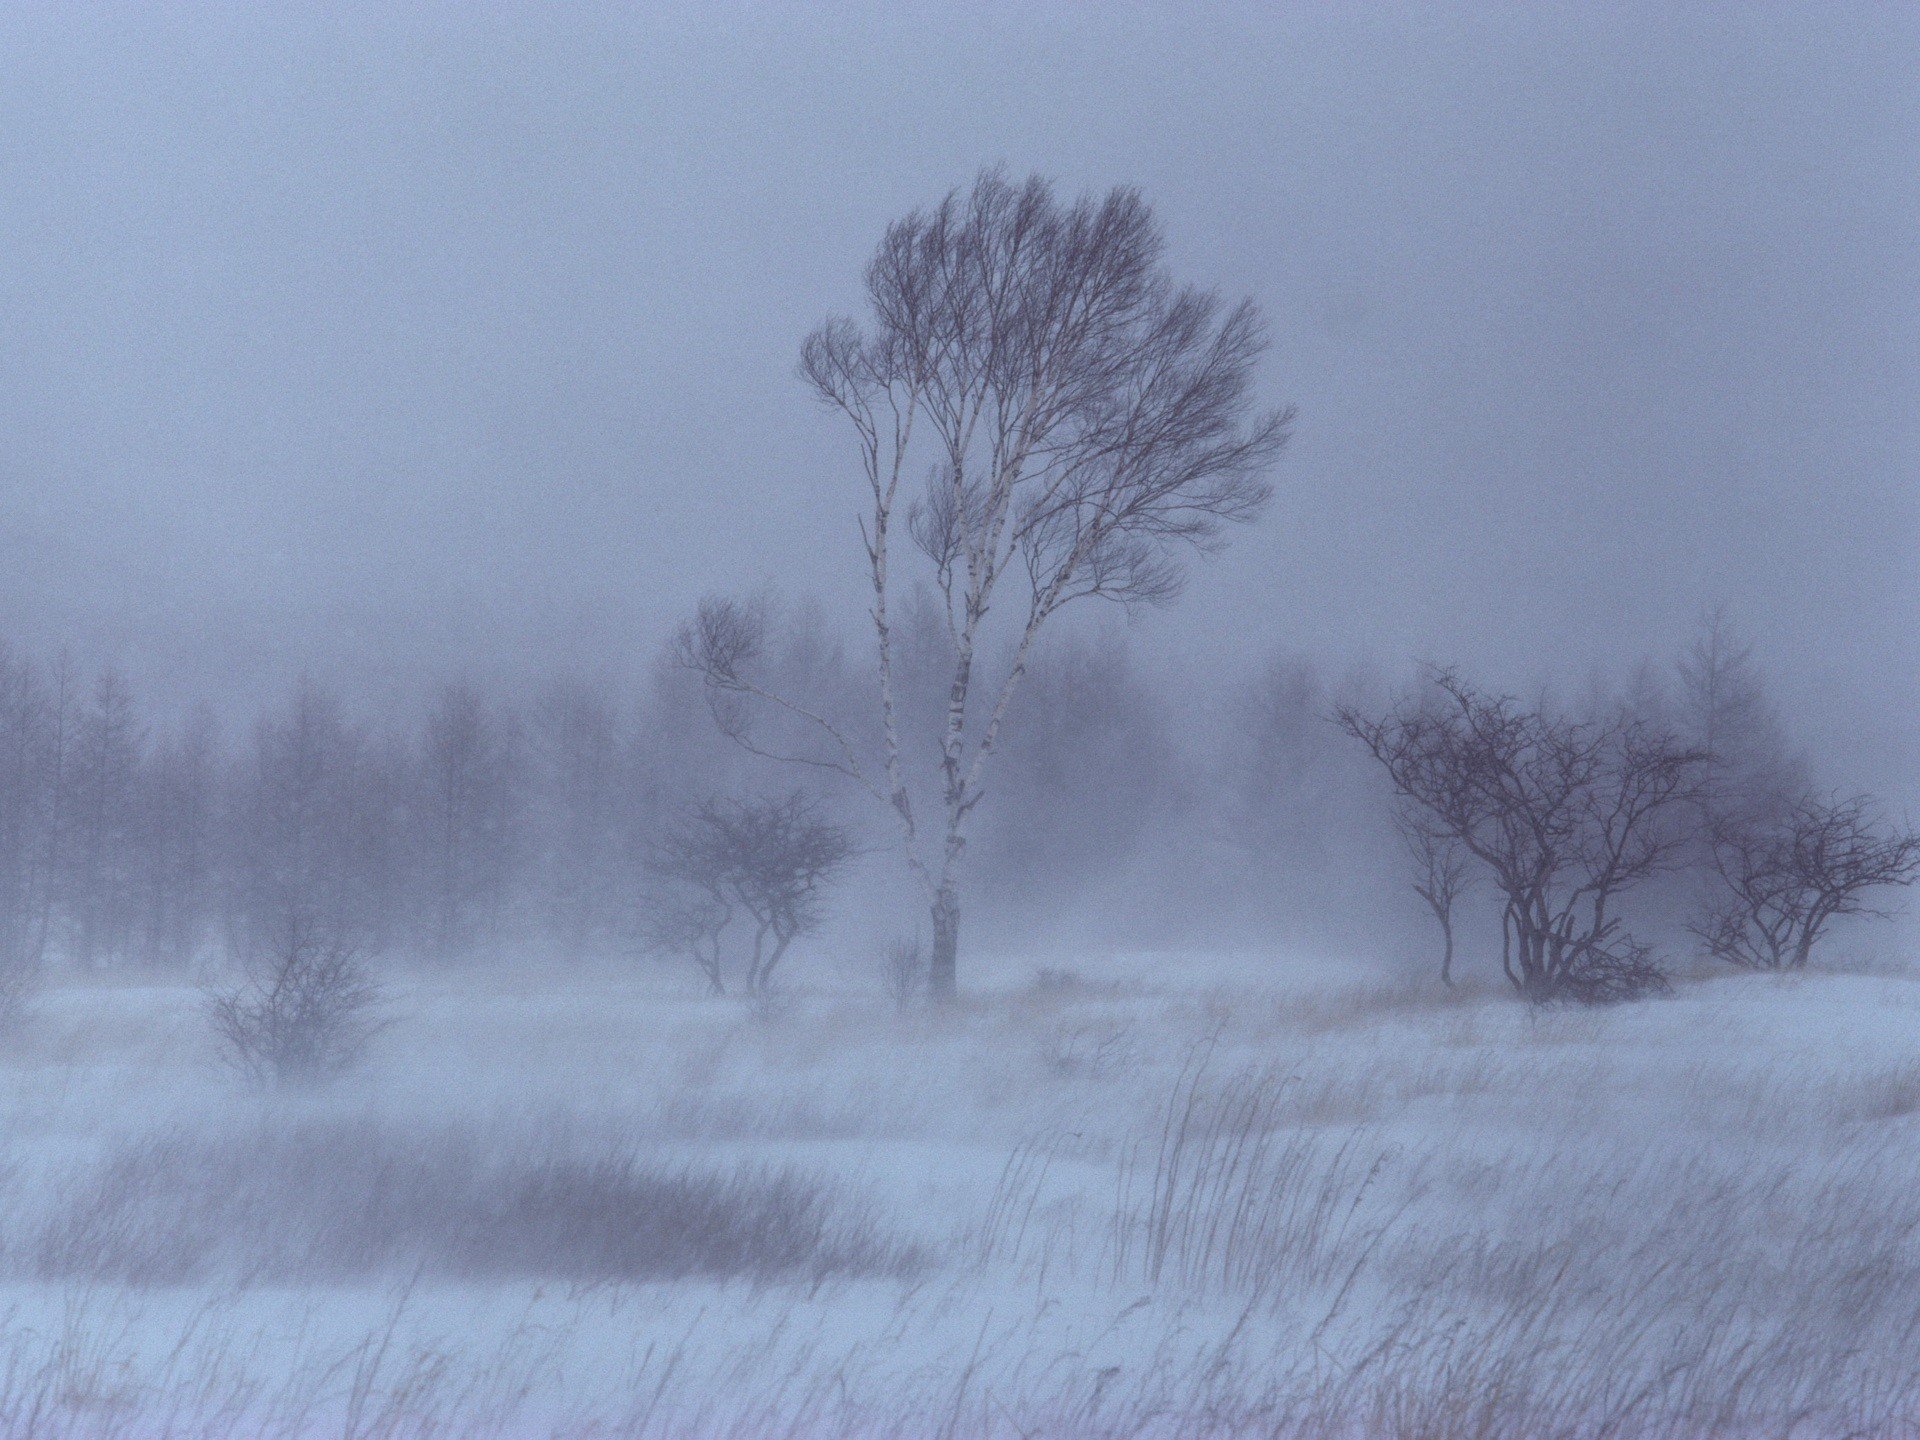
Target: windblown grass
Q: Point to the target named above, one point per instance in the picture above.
(1364, 1217)
(329, 1199)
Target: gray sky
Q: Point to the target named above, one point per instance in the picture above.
(410, 337)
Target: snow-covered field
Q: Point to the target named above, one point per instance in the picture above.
(1178, 1196)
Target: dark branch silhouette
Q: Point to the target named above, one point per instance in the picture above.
(1563, 815)
(1784, 880)
(1080, 420)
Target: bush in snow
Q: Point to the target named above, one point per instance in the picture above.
(305, 1012)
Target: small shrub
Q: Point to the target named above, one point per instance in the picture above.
(305, 1013)
(1095, 1050)
(903, 971)
(328, 1199)
(1602, 976)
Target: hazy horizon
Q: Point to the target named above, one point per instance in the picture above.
(412, 340)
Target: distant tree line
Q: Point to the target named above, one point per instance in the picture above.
(581, 819)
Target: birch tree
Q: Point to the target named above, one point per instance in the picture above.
(1041, 416)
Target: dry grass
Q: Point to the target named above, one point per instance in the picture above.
(304, 1200)
(1378, 1215)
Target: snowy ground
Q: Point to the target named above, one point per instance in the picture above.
(1181, 1196)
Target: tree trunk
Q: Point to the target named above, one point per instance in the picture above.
(1446, 956)
(1803, 948)
(943, 968)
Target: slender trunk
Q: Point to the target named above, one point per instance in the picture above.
(1446, 954)
(943, 968)
(781, 940)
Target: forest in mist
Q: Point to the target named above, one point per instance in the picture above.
(483, 826)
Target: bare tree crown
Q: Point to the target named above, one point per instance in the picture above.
(1034, 397)
(1785, 878)
(1075, 411)
(308, 1009)
(769, 859)
(1563, 814)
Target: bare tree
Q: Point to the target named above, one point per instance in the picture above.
(468, 814)
(178, 840)
(56, 838)
(1784, 880)
(101, 881)
(768, 860)
(306, 1010)
(1564, 815)
(1440, 874)
(294, 836)
(1081, 419)
(26, 797)
(584, 782)
(688, 919)
(1727, 713)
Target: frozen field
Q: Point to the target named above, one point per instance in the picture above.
(1176, 1197)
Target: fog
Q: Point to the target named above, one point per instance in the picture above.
(462, 337)
(485, 823)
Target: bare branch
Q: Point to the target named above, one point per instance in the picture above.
(1784, 879)
(1564, 815)
(768, 860)
(721, 645)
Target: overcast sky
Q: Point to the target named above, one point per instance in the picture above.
(407, 338)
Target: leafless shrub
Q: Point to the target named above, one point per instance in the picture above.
(1094, 1049)
(903, 971)
(1563, 815)
(305, 1012)
(766, 861)
(1611, 975)
(319, 1199)
(1440, 875)
(682, 920)
(1784, 878)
